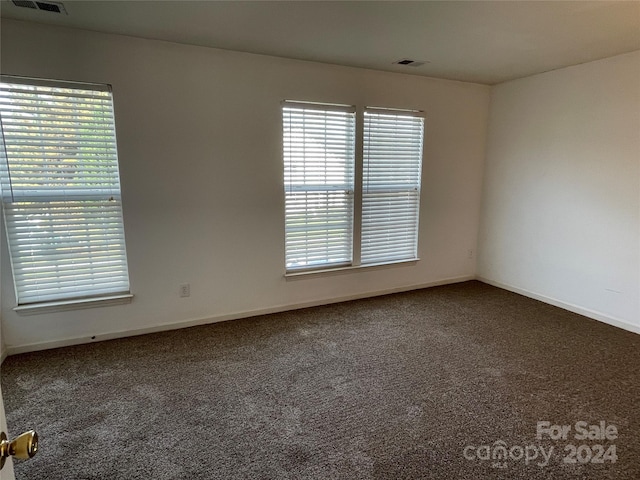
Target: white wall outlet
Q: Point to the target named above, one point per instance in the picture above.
(470, 254)
(185, 290)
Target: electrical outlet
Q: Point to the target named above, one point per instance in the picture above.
(185, 290)
(470, 254)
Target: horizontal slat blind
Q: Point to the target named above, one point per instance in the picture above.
(61, 191)
(318, 162)
(392, 160)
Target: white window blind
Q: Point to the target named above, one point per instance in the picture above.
(392, 159)
(319, 144)
(61, 190)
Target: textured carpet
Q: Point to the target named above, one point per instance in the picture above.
(393, 387)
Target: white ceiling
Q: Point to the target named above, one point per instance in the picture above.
(477, 41)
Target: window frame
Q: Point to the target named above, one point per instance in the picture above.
(357, 239)
(338, 188)
(88, 192)
(406, 184)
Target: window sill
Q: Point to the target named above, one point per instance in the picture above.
(348, 269)
(76, 304)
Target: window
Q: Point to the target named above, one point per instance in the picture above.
(61, 191)
(332, 220)
(391, 186)
(318, 175)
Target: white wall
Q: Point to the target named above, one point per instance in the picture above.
(199, 136)
(561, 204)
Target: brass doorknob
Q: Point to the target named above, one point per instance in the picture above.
(23, 447)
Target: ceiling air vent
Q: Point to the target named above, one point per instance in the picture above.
(55, 7)
(409, 63)
(25, 4)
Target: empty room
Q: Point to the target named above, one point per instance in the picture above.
(319, 240)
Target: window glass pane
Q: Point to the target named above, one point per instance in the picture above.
(392, 161)
(318, 177)
(61, 191)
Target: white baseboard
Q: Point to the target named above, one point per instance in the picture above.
(16, 349)
(616, 322)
